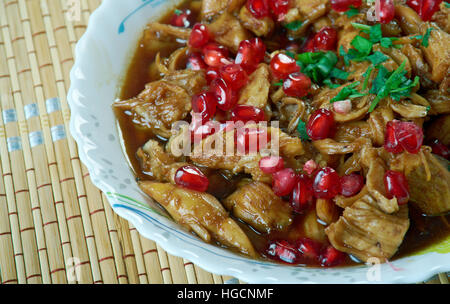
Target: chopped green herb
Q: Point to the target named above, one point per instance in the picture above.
(426, 37)
(330, 84)
(309, 57)
(362, 45)
(375, 33)
(301, 128)
(178, 12)
(290, 54)
(279, 83)
(447, 5)
(294, 25)
(317, 65)
(367, 75)
(387, 42)
(377, 58)
(339, 74)
(348, 92)
(363, 27)
(352, 12)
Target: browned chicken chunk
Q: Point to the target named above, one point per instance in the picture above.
(228, 31)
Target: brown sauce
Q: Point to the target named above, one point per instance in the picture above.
(423, 232)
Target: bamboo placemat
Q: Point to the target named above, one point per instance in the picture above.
(55, 225)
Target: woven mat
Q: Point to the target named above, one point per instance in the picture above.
(55, 226)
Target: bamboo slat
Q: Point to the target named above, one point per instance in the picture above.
(55, 225)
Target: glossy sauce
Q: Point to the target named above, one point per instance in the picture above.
(424, 231)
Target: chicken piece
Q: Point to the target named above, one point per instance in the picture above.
(440, 129)
(156, 162)
(161, 104)
(256, 92)
(308, 226)
(260, 27)
(365, 231)
(290, 111)
(439, 102)
(352, 131)
(418, 65)
(159, 31)
(258, 206)
(428, 180)
(327, 211)
(212, 8)
(332, 147)
(193, 81)
(408, 19)
(311, 9)
(437, 53)
(378, 120)
(201, 213)
(228, 31)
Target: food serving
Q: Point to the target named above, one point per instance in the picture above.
(337, 112)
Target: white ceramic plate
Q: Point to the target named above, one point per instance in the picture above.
(102, 57)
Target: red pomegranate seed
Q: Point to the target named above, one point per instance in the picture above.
(234, 75)
(415, 5)
(351, 184)
(390, 140)
(182, 18)
(331, 257)
(325, 39)
(327, 183)
(251, 140)
(199, 36)
(409, 136)
(192, 178)
(302, 195)
(385, 10)
(321, 125)
(250, 54)
(344, 5)
(215, 55)
(309, 248)
(200, 130)
(283, 181)
(211, 74)
(225, 96)
(397, 186)
(282, 250)
(297, 85)
(205, 104)
(425, 8)
(195, 62)
(246, 113)
(258, 8)
(310, 166)
(440, 149)
(282, 65)
(271, 164)
(279, 8)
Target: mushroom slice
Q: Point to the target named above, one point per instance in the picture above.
(201, 213)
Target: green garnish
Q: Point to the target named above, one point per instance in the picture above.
(367, 75)
(279, 83)
(290, 54)
(339, 74)
(426, 37)
(294, 25)
(301, 128)
(353, 11)
(348, 92)
(377, 58)
(394, 84)
(330, 84)
(320, 65)
(447, 5)
(178, 12)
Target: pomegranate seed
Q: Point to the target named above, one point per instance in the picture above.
(302, 195)
(396, 185)
(310, 166)
(309, 46)
(215, 55)
(225, 96)
(351, 184)
(192, 178)
(250, 54)
(279, 8)
(297, 85)
(342, 106)
(204, 104)
(271, 164)
(344, 5)
(440, 149)
(321, 125)
(415, 5)
(251, 140)
(211, 74)
(246, 113)
(331, 257)
(199, 36)
(325, 39)
(195, 62)
(409, 136)
(282, 65)
(385, 10)
(327, 183)
(425, 8)
(234, 75)
(283, 250)
(283, 181)
(309, 248)
(390, 140)
(182, 18)
(258, 8)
